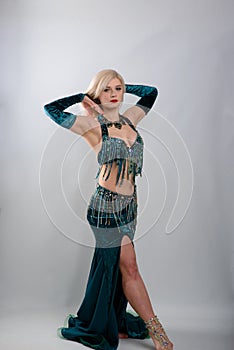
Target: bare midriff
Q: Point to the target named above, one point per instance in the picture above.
(123, 187)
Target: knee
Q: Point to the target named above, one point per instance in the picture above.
(129, 269)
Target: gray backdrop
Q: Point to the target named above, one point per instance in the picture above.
(53, 49)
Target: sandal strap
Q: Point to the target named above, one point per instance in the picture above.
(157, 330)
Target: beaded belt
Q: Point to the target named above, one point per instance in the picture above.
(111, 209)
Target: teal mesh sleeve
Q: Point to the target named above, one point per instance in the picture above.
(55, 110)
(148, 95)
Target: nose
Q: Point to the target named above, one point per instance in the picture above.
(113, 93)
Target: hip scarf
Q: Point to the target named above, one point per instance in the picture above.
(111, 216)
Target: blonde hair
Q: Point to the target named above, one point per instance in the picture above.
(100, 82)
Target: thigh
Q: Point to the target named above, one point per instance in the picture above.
(127, 255)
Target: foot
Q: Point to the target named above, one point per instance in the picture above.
(158, 334)
(123, 336)
(158, 345)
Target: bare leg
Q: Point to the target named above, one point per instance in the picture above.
(134, 287)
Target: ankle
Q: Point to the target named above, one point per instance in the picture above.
(156, 331)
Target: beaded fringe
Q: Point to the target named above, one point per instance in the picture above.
(114, 149)
(111, 209)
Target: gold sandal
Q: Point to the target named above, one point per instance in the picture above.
(156, 329)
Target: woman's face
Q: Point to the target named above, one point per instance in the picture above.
(112, 95)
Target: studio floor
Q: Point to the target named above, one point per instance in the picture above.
(34, 330)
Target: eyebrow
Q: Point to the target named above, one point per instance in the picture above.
(115, 85)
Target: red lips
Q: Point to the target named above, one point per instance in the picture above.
(114, 100)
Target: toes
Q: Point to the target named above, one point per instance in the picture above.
(123, 336)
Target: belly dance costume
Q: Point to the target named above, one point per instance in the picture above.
(111, 215)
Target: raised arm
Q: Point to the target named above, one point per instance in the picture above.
(55, 110)
(148, 96)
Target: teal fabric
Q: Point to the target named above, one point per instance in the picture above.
(55, 110)
(114, 149)
(103, 312)
(112, 215)
(148, 95)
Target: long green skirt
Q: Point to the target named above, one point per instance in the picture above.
(102, 314)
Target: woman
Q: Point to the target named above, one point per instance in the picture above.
(114, 279)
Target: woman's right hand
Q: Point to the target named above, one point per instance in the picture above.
(90, 104)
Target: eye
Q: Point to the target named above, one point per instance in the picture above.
(119, 88)
(106, 90)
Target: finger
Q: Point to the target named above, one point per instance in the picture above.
(98, 109)
(92, 105)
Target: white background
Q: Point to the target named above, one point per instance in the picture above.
(52, 49)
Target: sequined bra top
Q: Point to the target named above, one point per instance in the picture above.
(114, 149)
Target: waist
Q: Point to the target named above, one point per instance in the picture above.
(109, 192)
(125, 187)
(111, 209)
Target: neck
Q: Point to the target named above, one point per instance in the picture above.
(112, 115)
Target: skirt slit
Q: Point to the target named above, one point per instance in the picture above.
(103, 311)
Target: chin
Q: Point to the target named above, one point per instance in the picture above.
(111, 105)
